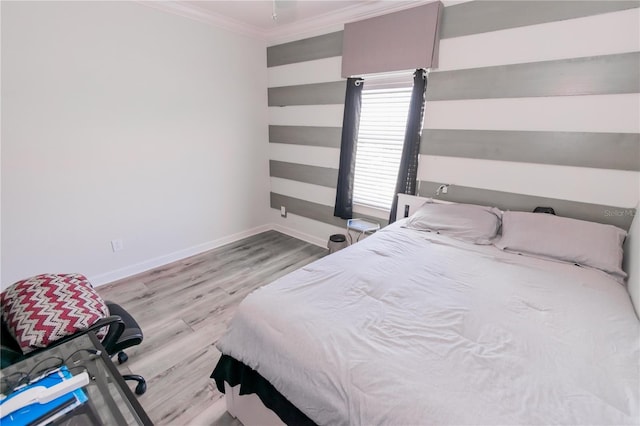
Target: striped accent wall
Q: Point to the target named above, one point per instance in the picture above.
(534, 103)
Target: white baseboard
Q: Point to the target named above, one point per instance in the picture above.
(128, 271)
(300, 235)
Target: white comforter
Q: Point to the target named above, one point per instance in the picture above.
(408, 328)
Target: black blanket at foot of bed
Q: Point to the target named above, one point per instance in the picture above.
(235, 373)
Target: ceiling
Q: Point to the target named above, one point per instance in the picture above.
(293, 17)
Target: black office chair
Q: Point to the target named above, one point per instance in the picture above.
(123, 333)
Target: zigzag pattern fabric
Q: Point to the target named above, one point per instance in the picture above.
(48, 307)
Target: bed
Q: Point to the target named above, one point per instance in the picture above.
(411, 327)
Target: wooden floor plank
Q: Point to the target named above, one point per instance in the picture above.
(157, 336)
(157, 308)
(184, 308)
(169, 407)
(156, 361)
(204, 312)
(215, 414)
(128, 294)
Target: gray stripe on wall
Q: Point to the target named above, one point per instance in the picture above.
(308, 94)
(322, 176)
(328, 137)
(484, 16)
(314, 211)
(308, 49)
(619, 151)
(620, 217)
(596, 75)
(307, 209)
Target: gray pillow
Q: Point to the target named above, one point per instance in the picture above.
(571, 240)
(468, 222)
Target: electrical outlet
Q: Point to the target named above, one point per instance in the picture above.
(117, 245)
(283, 211)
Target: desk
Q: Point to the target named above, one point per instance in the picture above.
(111, 402)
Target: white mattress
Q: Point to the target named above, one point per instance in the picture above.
(467, 334)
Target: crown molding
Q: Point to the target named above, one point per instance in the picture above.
(190, 11)
(327, 22)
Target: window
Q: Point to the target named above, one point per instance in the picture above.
(383, 121)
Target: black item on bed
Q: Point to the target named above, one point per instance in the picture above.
(548, 210)
(236, 373)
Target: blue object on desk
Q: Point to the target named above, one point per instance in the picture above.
(35, 414)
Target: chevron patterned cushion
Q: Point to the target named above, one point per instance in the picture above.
(48, 307)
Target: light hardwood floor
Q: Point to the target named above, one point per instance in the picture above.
(183, 309)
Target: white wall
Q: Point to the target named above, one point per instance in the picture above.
(0, 148)
(121, 121)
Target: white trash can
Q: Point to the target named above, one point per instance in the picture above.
(337, 242)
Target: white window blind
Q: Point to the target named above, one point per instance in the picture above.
(383, 121)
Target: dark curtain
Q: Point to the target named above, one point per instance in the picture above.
(350, 124)
(408, 171)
